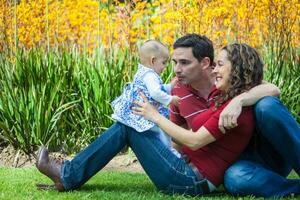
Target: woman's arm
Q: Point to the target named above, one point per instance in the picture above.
(186, 137)
(230, 114)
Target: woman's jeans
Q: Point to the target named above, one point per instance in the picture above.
(262, 169)
(169, 173)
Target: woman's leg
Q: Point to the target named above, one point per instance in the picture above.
(263, 168)
(250, 178)
(276, 125)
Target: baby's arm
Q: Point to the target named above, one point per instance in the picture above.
(168, 87)
(155, 91)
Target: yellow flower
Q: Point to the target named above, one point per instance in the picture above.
(85, 21)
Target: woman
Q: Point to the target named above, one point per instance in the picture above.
(238, 68)
(207, 151)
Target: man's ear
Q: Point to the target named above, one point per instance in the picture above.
(205, 62)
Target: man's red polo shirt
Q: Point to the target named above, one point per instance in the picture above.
(191, 104)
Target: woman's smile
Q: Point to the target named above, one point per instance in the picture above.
(222, 71)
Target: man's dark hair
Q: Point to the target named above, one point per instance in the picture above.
(201, 46)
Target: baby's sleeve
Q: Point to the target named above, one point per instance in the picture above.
(168, 88)
(155, 89)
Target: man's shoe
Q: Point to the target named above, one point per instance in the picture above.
(50, 167)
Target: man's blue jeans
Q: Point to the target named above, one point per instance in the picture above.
(262, 169)
(169, 173)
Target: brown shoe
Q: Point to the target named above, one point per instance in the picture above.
(50, 167)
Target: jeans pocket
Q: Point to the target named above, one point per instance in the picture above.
(181, 189)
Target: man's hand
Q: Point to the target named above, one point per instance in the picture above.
(228, 117)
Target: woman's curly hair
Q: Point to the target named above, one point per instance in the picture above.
(246, 70)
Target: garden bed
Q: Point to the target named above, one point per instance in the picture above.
(11, 158)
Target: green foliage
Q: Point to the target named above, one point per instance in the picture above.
(32, 99)
(61, 99)
(283, 69)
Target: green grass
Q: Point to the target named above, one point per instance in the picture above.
(20, 184)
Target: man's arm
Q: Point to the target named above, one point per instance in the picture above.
(229, 116)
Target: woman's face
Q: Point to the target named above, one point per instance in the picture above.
(222, 71)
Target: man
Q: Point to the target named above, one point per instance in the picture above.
(262, 169)
(193, 57)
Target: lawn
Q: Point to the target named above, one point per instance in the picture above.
(20, 184)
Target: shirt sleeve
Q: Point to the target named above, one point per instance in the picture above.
(155, 91)
(244, 121)
(212, 125)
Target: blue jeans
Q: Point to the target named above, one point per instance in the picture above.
(169, 173)
(262, 169)
(165, 139)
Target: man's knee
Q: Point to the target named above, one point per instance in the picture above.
(237, 178)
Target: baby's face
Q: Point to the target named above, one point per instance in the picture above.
(159, 64)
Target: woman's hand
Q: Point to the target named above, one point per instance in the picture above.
(229, 115)
(145, 109)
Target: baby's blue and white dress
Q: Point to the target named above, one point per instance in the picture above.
(123, 104)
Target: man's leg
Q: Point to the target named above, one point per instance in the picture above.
(94, 157)
(271, 158)
(169, 173)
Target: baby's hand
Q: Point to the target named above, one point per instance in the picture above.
(173, 82)
(175, 100)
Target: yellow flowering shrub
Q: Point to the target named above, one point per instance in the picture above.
(90, 23)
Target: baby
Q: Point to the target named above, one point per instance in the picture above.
(153, 59)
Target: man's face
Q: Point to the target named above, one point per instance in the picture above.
(187, 68)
